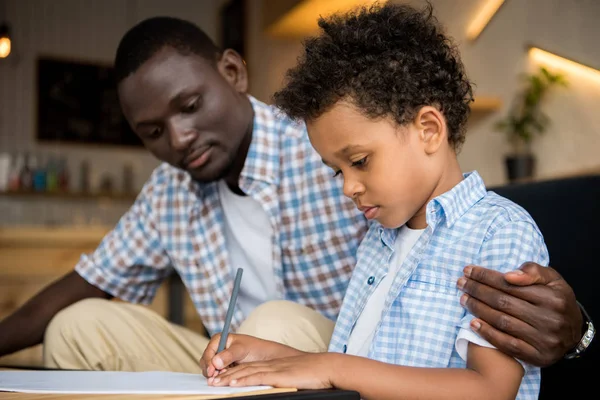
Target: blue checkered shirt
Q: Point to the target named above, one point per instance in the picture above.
(422, 316)
(177, 224)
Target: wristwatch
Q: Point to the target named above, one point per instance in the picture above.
(585, 341)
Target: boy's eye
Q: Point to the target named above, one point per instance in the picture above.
(360, 162)
(336, 173)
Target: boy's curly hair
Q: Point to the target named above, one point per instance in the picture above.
(388, 60)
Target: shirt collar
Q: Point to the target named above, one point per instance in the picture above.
(262, 161)
(453, 204)
(447, 207)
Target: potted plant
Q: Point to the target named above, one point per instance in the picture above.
(525, 120)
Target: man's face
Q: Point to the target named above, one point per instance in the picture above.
(189, 112)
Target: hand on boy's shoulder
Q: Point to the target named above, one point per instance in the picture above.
(530, 314)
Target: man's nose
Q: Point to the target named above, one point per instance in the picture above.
(182, 137)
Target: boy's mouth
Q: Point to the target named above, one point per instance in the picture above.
(370, 212)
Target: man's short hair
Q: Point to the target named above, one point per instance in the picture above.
(151, 35)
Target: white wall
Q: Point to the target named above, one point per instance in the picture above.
(494, 62)
(89, 29)
(77, 29)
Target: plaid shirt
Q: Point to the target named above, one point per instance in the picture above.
(422, 316)
(177, 224)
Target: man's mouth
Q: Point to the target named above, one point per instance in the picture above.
(198, 157)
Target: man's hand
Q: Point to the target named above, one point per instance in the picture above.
(240, 349)
(530, 314)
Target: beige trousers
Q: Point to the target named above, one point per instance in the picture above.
(96, 334)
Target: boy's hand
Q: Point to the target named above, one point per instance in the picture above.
(530, 314)
(240, 349)
(307, 371)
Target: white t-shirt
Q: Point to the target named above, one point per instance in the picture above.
(248, 235)
(364, 329)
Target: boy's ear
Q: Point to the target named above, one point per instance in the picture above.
(432, 128)
(233, 68)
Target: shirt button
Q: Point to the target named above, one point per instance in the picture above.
(371, 280)
(345, 348)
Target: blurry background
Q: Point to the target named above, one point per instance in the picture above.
(75, 191)
(269, 34)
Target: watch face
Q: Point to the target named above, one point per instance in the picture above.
(587, 337)
(583, 343)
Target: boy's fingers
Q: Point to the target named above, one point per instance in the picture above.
(234, 353)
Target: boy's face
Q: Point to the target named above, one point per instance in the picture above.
(188, 112)
(386, 169)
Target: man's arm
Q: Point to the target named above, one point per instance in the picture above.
(530, 314)
(26, 326)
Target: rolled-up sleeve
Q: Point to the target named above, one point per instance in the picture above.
(504, 250)
(130, 263)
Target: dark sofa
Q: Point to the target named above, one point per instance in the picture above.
(567, 212)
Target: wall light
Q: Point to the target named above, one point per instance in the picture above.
(564, 64)
(483, 17)
(301, 20)
(5, 44)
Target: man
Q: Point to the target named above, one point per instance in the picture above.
(240, 185)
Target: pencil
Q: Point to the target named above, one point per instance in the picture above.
(234, 294)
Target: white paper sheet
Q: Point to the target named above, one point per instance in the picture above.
(107, 382)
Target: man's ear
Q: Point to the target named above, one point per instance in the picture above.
(431, 125)
(233, 68)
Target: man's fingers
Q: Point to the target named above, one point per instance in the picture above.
(505, 343)
(499, 302)
(478, 278)
(531, 273)
(502, 321)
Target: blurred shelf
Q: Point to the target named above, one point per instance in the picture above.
(486, 104)
(63, 236)
(71, 196)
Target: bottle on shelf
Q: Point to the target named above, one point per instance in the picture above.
(27, 173)
(51, 175)
(63, 175)
(39, 174)
(14, 176)
(5, 165)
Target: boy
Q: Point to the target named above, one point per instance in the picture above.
(385, 99)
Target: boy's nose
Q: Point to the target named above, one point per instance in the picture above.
(352, 188)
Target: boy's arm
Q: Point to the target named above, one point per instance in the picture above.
(494, 298)
(489, 375)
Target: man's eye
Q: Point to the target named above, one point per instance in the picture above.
(155, 133)
(191, 107)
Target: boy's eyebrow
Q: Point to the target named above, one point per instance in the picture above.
(326, 163)
(347, 149)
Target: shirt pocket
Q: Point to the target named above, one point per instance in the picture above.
(424, 320)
